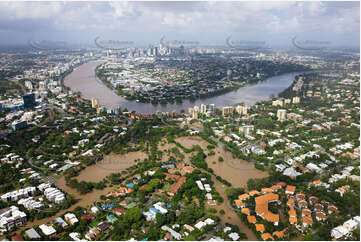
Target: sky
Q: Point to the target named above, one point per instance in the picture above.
(207, 22)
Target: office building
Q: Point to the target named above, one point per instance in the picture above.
(19, 124)
(29, 100)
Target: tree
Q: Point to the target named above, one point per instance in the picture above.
(132, 215)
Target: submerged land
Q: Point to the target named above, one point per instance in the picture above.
(285, 168)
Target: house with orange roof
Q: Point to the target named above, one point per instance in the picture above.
(172, 171)
(267, 236)
(320, 216)
(251, 219)
(318, 207)
(290, 202)
(332, 209)
(266, 190)
(307, 221)
(275, 188)
(243, 196)
(182, 172)
(293, 220)
(253, 193)
(282, 184)
(173, 189)
(262, 207)
(125, 190)
(260, 228)
(280, 234)
(290, 190)
(313, 200)
(180, 165)
(239, 204)
(306, 212)
(302, 204)
(292, 212)
(246, 211)
(315, 183)
(188, 169)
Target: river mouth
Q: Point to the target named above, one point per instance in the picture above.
(84, 80)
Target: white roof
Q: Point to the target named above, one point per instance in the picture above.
(339, 231)
(350, 223)
(200, 225)
(94, 209)
(47, 230)
(226, 229)
(357, 219)
(234, 236)
(291, 172)
(209, 221)
(74, 235)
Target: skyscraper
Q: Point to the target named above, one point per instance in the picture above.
(29, 100)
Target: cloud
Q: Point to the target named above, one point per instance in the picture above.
(206, 21)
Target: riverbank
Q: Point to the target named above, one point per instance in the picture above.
(84, 80)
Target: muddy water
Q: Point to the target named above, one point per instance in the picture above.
(83, 79)
(236, 171)
(230, 215)
(112, 163)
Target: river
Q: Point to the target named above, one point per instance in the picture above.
(83, 79)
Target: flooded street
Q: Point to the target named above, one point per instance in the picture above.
(230, 215)
(83, 79)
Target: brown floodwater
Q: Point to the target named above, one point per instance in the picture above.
(112, 163)
(236, 171)
(230, 215)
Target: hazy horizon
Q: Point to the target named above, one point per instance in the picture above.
(208, 23)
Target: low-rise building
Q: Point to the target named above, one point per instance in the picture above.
(11, 217)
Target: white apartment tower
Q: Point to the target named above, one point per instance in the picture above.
(203, 108)
(242, 110)
(281, 114)
(296, 100)
(94, 103)
(227, 110)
